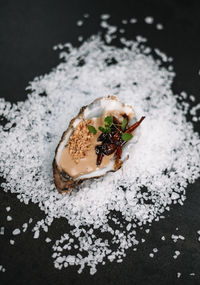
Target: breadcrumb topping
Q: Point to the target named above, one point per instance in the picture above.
(80, 141)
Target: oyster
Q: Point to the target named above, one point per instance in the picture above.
(96, 142)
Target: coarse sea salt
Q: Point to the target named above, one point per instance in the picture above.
(16, 232)
(161, 164)
(2, 230)
(159, 26)
(9, 218)
(149, 20)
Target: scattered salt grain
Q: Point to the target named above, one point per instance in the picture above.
(149, 20)
(159, 26)
(48, 240)
(151, 255)
(124, 22)
(181, 237)
(177, 253)
(8, 209)
(105, 16)
(25, 226)
(133, 20)
(128, 227)
(80, 38)
(86, 15)
(155, 250)
(79, 23)
(163, 238)
(2, 230)
(16, 232)
(2, 269)
(178, 274)
(192, 274)
(12, 241)
(192, 98)
(176, 237)
(9, 218)
(36, 234)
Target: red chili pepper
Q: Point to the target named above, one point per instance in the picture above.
(134, 126)
(119, 152)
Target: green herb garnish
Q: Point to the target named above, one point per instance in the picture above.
(92, 129)
(107, 128)
(108, 121)
(103, 130)
(126, 136)
(124, 123)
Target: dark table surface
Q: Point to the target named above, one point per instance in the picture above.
(28, 30)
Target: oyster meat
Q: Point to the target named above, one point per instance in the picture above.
(96, 142)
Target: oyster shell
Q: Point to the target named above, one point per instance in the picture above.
(76, 154)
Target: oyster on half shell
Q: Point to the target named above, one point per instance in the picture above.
(82, 154)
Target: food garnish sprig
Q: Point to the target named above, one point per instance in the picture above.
(114, 135)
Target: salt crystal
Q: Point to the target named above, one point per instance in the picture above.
(79, 23)
(178, 274)
(149, 20)
(16, 232)
(86, 15)
(59, 259)
(48, 240)
(105, 16)
(124, 22)
(25, 226)
(133, 20)
(36, 234)
(181, 237)
(192, 98)
(80, 38)
(8, 209)
(12, 241)
(159, 26)
(2, 269)
(2, 230)
(175, 196)
(128, 227)
(151, 255)
(9, 218)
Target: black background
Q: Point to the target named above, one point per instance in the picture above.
(28, 30)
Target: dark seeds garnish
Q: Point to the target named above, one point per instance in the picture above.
(115, 138)
(108, 148)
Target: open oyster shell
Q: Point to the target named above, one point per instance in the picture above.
(75, 156)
